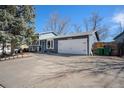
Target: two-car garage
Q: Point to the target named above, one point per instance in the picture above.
(73, 46)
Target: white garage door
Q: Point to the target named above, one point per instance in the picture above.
(73, 46)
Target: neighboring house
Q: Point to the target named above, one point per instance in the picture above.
(80, 43)
(7, 48)
(119, 38)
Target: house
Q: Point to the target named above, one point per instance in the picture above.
(80, 43)
(119, 38)
(6, 50)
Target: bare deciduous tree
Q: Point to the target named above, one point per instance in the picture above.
(57, 24)
(95, 20)
(118, 29)
(95, 23)
(77, 28)
(86, 24)
(121, 28)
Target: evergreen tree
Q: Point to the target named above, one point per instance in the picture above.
(17, 23)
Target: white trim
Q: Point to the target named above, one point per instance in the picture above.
(50, 44)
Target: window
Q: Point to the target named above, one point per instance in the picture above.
(50, 44)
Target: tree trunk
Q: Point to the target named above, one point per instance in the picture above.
(12, 48)
(3, 48)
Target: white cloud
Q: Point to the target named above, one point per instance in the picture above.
(119, 18)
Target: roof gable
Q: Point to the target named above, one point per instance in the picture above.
(47, 35)
(51, 32)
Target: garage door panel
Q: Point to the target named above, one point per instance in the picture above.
(73, 46)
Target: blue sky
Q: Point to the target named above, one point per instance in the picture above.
(111, 14)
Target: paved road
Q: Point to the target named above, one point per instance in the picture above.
(40, 70)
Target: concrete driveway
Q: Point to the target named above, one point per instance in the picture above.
(42, 70)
